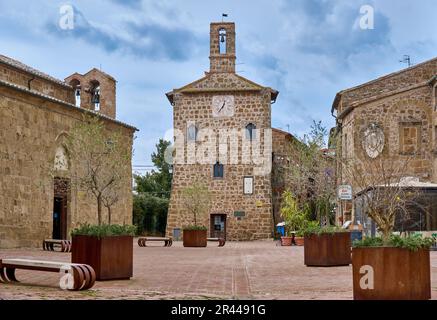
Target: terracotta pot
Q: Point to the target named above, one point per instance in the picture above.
(386, 273)
(194, 238)
(286, 241)
(299, 241)
(110, 257)
(326, 250)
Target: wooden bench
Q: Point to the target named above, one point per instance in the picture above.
(75, 276)
(167, 241)
(51, 244)
(221, 241)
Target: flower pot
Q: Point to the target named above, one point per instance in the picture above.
(286, 241)
(328, 249)
(194, 238)
(111, 257)
(388, 273)
(299, 241)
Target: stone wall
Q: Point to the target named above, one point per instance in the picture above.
(33, 82)
(228, 197)
(31, 130)
(389, 84)
(107, 91)
(402, 105)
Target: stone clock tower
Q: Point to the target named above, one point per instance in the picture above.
(223, 139)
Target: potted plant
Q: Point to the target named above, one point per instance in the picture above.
(196, 200)
(388, 266)
(295, 220)
(327, 246)
(107, 248)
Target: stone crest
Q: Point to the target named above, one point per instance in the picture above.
(373, 140)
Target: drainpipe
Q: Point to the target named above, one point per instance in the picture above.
(28, 82)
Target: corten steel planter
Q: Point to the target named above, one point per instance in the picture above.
(111, 257)
(299, 241)
(328, 249)
(398, 274)
(286, 241)
(194, 238)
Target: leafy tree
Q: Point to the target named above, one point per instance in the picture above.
(150, 204)
(102, 156)
(196, 200)
(312, 173)
(157, 182)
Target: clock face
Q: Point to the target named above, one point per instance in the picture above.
(223, 106)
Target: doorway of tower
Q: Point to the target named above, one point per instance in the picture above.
(218, 226)
(60, 206)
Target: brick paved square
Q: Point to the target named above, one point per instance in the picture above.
(240, 270)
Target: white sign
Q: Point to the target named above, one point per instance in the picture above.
(248, 185)
(345, 192)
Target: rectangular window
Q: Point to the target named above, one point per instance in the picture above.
(218, 170)
(410, 138)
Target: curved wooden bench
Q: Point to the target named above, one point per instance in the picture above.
(83, 274)
(221, 241)
(51, 244)
(143, 240)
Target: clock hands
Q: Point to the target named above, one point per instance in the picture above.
(224, 103)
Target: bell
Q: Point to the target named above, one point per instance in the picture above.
(77, 92)
(96, 97)
(222, 38)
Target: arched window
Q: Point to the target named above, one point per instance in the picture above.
(222, 41)
(95, 94)
(77, 91)
(192, 133)
(218, 170)
(250, 131)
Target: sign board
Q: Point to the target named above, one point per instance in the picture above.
(248, 185)
(239, 214)
(345, 192)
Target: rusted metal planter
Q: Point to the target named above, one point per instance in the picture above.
(328, 249)
(111, 257)
(194, 238)
(299, 241)
(387, 273)
(286, 241)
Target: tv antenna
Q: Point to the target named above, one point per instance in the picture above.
(407, 60)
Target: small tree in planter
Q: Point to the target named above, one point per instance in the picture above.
(295, 220)
(311, 174)
(107, 248)
(103, 155)
(327, 246)
(388, 267)
(196, 200)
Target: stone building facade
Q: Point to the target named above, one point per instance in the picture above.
(401, 108)
(232, 116)
(36, 113)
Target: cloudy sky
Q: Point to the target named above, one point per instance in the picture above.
(307, 49)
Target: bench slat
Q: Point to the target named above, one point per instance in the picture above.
(36, 263)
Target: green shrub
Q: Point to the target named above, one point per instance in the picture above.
(150, 214)
(315, 228)
(413, 243)
(104, 230)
